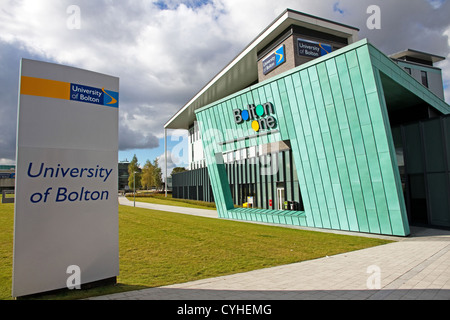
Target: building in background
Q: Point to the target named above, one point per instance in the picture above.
(420, 66)
(7, 177)
(123, 175)
(309, 126)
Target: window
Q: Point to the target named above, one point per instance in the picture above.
(408, 70)
(252, 152)
(243, 154)
(196, 131)
(424, 78)
(191, 135)
(238, 155)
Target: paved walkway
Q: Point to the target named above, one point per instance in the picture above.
(193, 211)
(417, 267)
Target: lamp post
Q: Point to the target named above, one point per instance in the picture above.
(165, 160)
(134, 187)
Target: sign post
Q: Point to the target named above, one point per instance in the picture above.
(66, 208)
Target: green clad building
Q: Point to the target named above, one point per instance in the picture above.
(320, 131)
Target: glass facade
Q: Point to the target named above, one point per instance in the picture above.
(426, 172)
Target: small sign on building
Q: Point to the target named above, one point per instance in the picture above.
(313, 49)
(275, 59)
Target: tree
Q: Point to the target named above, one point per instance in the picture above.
(157, 174)
(151, 175)
(147, 177)
(134, 180)
(178, 170)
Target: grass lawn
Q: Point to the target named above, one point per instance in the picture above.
(160, 248)
(6, 248)
(158, 198)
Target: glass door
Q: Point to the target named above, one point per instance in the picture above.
(280, 198)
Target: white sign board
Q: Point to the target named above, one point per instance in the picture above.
(66, 208)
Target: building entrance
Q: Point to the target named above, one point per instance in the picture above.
(280, 198)
(425, 172)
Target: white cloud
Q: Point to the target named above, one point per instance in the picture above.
(173, 161)
(436, 4)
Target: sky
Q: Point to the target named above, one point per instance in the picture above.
(164, 52)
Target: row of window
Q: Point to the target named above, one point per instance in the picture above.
(232, 156)
(423, 74)
(197, 165)
(246, 153)
(194, 133)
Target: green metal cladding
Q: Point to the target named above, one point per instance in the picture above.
(334, 113)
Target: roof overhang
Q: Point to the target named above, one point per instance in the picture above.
(417, 55)
(242, 71)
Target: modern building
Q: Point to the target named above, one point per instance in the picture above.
(309, 126)
(420, 66)
(7, 177)
(123, 175)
